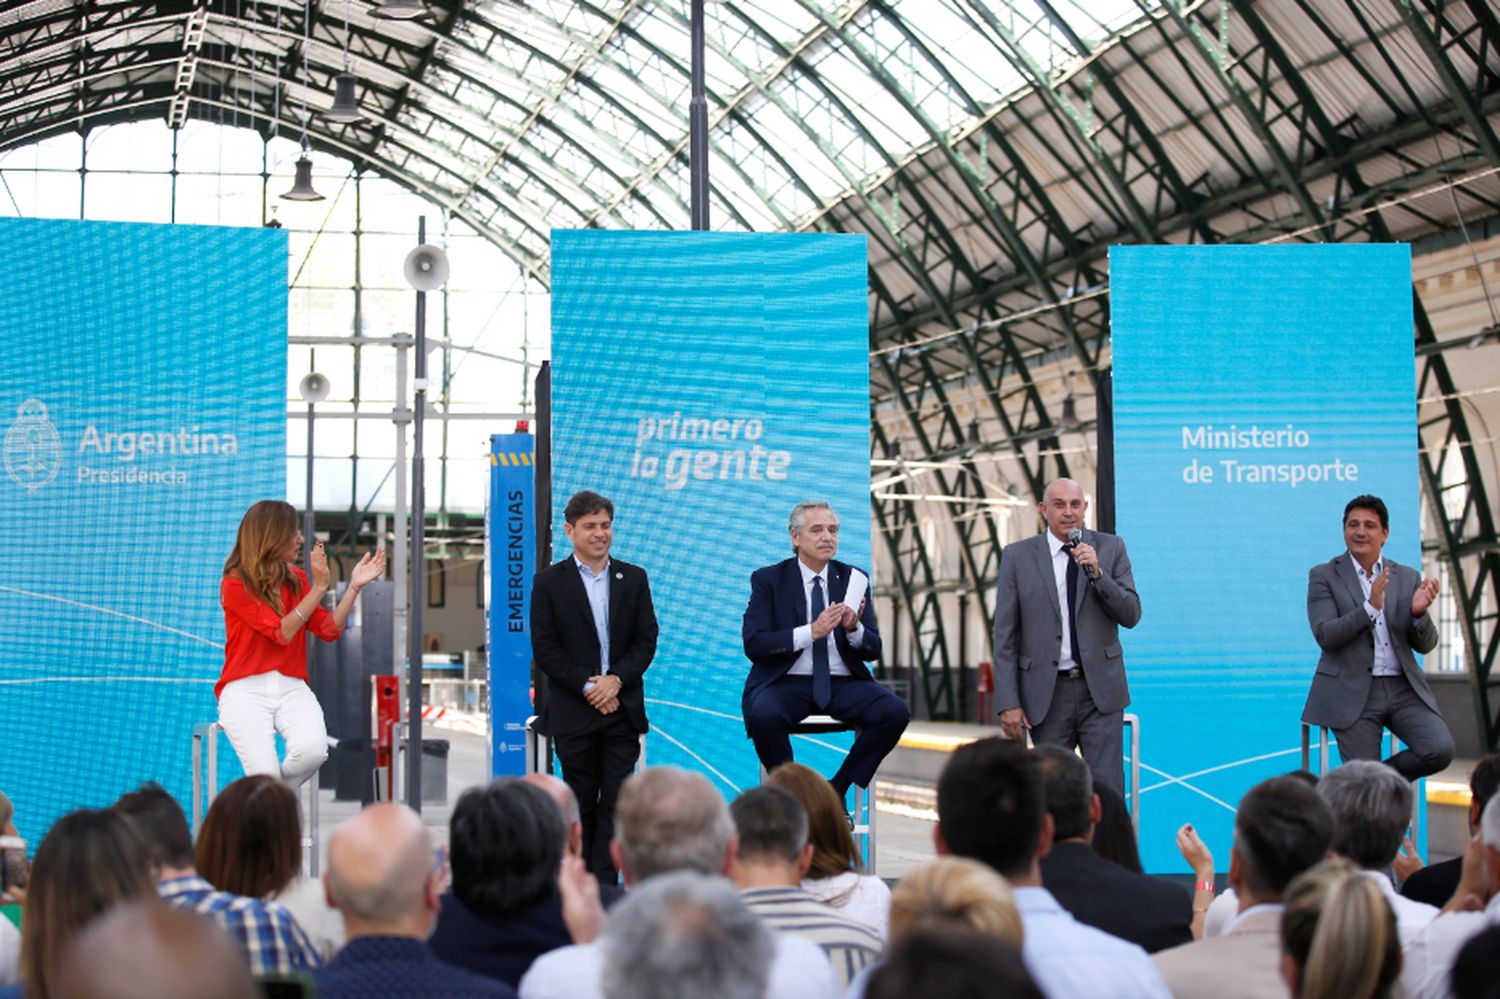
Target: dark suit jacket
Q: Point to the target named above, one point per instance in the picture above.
(778, 606)
(565, 644)
(1028, 626)
(1345, 633)
(1152, 912)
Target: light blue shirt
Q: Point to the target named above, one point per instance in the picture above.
(1069, 959)
(597, 588)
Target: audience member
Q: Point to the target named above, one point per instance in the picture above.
(992, 807)
(1371, 806)
(504, 910)
(772, 857)
(1201, 860)
(1144, 910)
(1338, 936)
(385, 879)
(1474, 907)
(668, 820)
(1114, 834)
(567, 803)
(273, 941)
(1436, 883)
(952, 964)
(145, 950)
(1281, 829)
(14, 867)
(955, 893)
(1476, 972)
(88, 862)
(251, 845)
(836, 875)
(686, 936)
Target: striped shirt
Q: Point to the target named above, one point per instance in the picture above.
(849, 943)
(273, 941)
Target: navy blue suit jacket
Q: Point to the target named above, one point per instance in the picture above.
(778, 606)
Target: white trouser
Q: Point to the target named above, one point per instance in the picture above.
(254, 709)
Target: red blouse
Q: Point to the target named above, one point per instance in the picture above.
(252, 632)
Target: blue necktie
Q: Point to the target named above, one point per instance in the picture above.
(822, 685)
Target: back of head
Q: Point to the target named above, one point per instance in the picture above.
(1340, 933)
(379, 864)
(991, 799)
(949, 964)
(7, 811)
(161, 822)
(1476, 971)
(1371, 806)
(686, 936)
(506, 841)
(88, 862)
(145, 950)
(1485, 780)
(955, 893)
(1281, 829)
(670, 819)
(1069, 788)
(834, 852)
(251, 840)
(772, 825)
(1114, 836)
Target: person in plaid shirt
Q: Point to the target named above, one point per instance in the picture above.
(273, 941)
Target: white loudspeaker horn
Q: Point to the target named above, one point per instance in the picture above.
(426, 268)
(314, 387)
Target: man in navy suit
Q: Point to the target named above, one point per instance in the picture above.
(809, 650)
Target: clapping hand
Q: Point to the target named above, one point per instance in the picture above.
(367, 570)
(1423, 598)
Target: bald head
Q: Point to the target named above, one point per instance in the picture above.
(567, 804)
(145, 950)
(1063, 507)
(380, 873)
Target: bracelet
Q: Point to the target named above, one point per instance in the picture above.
(298, 612)
(1197, 909)
(1204, 886)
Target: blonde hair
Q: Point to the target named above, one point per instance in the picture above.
(1341, 933)
(955, 893)
(265, 532)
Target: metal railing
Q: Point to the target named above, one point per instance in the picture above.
(206, 789)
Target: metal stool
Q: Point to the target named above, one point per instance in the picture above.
(208, 732)
(864, 798)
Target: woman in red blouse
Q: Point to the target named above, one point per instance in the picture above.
(267, 602)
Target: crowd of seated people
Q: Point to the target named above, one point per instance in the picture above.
(1036, 893)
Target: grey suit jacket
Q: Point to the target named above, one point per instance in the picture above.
(1028, 626)
(1345, 633)
(1244, 964)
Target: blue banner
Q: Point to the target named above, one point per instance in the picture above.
(707, 383)
(144, 412)
(510, 539)
(1257, 390)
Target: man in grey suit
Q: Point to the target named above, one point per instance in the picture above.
(1369, 615)
(1059, 668)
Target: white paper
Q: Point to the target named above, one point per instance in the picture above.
(855, 594)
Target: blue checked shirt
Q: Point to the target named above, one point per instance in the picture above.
(273, 941)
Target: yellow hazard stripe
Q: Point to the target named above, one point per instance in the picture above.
(510, 459)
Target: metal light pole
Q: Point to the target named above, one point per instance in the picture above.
(698, 125)
(426, 268)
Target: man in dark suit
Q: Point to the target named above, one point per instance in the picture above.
(808, 652)
(593, 632)
(1369, 615)
(1059, 667)
(1148, 911)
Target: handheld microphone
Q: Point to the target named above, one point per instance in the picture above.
(1075, 538)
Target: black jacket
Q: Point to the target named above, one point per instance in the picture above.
(1152, 912)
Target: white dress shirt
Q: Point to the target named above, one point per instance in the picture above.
(1428, 959)
(1061, 556)
(800, 970)
(1412, 918)
(1385, 656)
(1069, 959)
(802, 638)
(10, 952)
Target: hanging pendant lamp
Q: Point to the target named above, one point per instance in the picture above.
(401, 10)
(302, 187)
(345, 110)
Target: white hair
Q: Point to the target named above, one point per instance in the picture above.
(799, 513)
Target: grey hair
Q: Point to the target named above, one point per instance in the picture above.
(686, 936)
(799, 513)
(1371, 806)
(669, 819)
(1489, 824)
